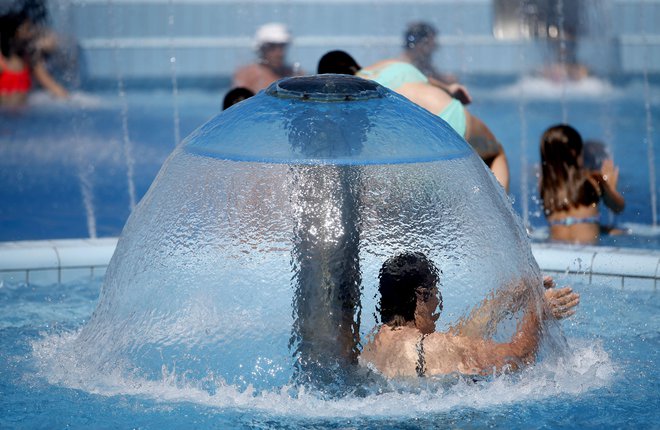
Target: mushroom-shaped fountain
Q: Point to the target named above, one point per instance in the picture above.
(253, 259)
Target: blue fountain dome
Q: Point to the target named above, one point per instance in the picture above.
(327, 119)
(264, 275)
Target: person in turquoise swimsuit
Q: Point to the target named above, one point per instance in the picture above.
(408, 81)
(395, 75)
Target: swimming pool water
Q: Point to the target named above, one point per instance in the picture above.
(62, 163)
(608, 379)
(64, 167)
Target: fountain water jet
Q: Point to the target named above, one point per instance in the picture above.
(127, 147)
(175, 86)
(649, 126)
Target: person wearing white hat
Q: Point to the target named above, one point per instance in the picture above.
(270, 43)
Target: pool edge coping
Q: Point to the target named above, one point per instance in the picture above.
(60, 260)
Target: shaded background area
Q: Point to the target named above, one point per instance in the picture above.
(208, 39)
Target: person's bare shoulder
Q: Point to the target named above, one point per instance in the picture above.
(446, 354)
(247, 75)
(382, 63)
(392, 352)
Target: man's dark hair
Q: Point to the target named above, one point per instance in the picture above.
(338, 62)
(418, 32)
(236, 95)
(401, 277)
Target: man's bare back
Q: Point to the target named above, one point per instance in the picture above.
(407, 345)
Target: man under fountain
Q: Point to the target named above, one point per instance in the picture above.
(407, 344)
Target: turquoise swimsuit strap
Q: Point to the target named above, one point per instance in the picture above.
(569, 221)
(394, 75)
(454, 114)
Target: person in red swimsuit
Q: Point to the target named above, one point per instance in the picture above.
(16, 66)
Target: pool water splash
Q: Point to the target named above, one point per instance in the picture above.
(585, 366)
(538, 88)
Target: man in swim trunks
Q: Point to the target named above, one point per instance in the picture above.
(406, 80)
(407, 345)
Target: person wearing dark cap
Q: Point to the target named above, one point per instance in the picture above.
(405, 79)
(419, 44)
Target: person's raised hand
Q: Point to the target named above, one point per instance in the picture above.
(561, 301)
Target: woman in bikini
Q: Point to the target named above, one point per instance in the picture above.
(407, 345)
(20, 61)
(570, 192)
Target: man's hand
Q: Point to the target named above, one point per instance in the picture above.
(459, 92)
(561, 301)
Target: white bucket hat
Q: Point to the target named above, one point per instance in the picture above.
(273, 32)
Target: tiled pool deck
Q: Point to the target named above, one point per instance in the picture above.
(61, 261)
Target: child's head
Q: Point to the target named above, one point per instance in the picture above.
(338, 62)
(236, 95)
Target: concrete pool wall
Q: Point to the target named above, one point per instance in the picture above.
(65, 260)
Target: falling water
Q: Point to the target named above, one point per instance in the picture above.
(175, 86)
(561, 34)
(649, 122)
(461, 37)
(84, 175)
(84, 172)
(522, 111)
(601, 17)
(127, 146)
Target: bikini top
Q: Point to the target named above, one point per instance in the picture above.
(421, 361)
(570, 220)
(14, 80)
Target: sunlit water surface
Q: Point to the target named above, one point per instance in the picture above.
(608, 378)
(62, 163)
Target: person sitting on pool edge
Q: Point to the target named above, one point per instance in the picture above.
(570, 191)
(407, 344)
(405, 79)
